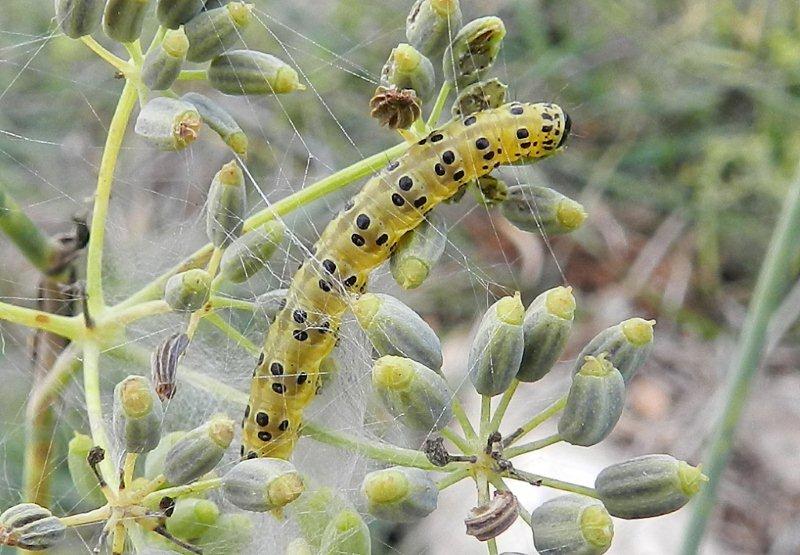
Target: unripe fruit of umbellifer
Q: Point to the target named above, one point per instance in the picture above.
(78, 18)
(239, 72)
(211, 32)
(431, 24)
(539, 209)
(30, 526)
(346, 533)
(162, 65)
(648, 486)
(497, 348)
(473, 50)
(191, 517)
(627, 345)
(418, 250)
(199, 451)
(262, 484)
(137, 414)
(168, 123)
(123, 19)
(220, 121)
(232, 534)
(413, 393)
(83, 478)
(399, 494)
(546, 327)
(226, 205)
(594, 404)
(174, 13)
(249, 254)
(572, 525)
(480, 96)
(407, 68)
(154, 463)
(188, 291)
(393, 328)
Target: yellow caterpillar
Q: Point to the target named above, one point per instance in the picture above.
(362, 237)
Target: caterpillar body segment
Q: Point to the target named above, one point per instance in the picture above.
(361, 238)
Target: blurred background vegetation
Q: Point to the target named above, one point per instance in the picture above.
(685, 137)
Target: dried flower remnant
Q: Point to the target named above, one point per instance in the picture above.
(394, 108)
(492, 519)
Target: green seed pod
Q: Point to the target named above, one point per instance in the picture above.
(78, 18)
(174, 13)
(490, 190)
(399, 494)
(226, 205)
(407, 68)
(313, 510)
(154, 463)
(248, 254)
(83, 478)
(542, 210)
(199, 451)
(271, 302)
(572, 525)
(232, 534)
(418, 250)
(431, 24)
(212, 32)
(480, 96)
(546, 328)
(168, 124)
(163, 64)
(594, 404)
(262, 484)
(249, 72)
(628, 345)
(30, 526)
(299, 546)
(220, 121)
(346, 534)
(496, 351)
(123, 19)
(192, 517)
(413, 393)
(395, 329)
(137, 415)
(473, 50)
(648, 486)
(188, 291)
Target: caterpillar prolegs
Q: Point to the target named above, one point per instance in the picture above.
(360, 238)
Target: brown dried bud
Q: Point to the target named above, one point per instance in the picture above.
(396, 109)
(490, 520)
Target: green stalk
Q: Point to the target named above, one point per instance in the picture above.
(463, 421)
(26, 236)
(438, 106)
(503, 406)
(64, 326)
(538, 419)
(105, 180)
(229, 302)
(453, 478)
(233, 333)
(456, 440)
(532, 446)
(94, 408)
(187, 489)
(120, 64)
(774, 278)
(537, 480)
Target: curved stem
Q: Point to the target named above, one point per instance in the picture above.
(118, 63)
(500, 412)
(538, 480)
(94, 256)
(456, 440)
(532, 446)
(463, 421)
(777, 272)
(538, 419)
(94, 408)
(65, 326)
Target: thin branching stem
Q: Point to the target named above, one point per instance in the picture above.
(453, 478)
(463, 421)
(500, 412)
(187, 489)
(65, 326)
(545, 415)
(532, 446)
(456, 440)
(118, 63)
(94, 408)
(91, 517)
(438, 106)
(538, 480)
(230, 331)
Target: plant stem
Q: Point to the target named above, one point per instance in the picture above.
(456, 440)
(228, 302)
(538, 419)
(94, 408)
(438, 106)
(463, 421)
(537, 480)
(317, 190)
(64, 326)
(503, 406)
(486, 412)
(26, 235)
(120, 64)
(453, 478)
(94, 257)
(193, 488)
(91, 517)
(233, 333)
(532, 446)
(775, 275)
(374, 450)
(136, 312)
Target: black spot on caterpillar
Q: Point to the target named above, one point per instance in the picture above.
(359, 239)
